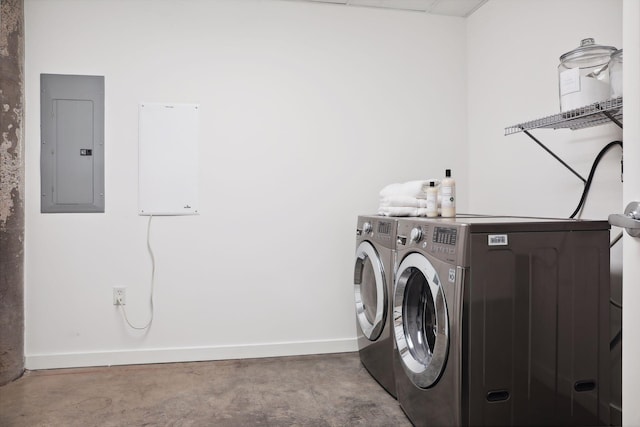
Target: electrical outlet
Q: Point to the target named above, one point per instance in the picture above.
(119, 296)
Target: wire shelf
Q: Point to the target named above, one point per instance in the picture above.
(596, 114)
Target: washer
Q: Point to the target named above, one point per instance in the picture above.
(373, 286)
(502, 321)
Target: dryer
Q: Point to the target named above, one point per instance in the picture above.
(502, 321)
(372, 286)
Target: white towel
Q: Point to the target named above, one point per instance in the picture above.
(402, 201)
(401, 211)
(417, 189)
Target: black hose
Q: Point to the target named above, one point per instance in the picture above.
(615, 303)
(587, 184)
(616, 340)
(616, 240)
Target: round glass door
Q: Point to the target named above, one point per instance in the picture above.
(421, 323)
(370, 291)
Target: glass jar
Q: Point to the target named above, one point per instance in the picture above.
(615, 73)
(583, 75)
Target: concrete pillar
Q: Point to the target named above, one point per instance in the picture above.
(11, 190)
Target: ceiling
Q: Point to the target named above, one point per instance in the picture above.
(462, 8)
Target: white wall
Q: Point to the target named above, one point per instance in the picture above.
(307, 110)
(513, 55)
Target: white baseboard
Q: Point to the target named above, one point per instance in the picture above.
(187, 354)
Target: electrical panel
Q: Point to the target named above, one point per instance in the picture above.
(72, 143)
(168, 159)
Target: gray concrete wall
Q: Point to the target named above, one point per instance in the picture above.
(11, 190)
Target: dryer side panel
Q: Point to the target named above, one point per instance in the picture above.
(536, 330)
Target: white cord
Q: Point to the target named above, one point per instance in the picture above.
(153, 275)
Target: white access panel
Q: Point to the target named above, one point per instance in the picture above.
(168, 159)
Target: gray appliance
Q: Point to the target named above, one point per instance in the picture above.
(502, 321)
(373, 285)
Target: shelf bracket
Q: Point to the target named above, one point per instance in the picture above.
(591, 115)
(554, 155)
(613, 119)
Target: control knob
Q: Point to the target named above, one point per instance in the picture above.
(416, 235)
(367, 228)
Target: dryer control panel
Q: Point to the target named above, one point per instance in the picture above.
(437, 238)
(380, 230)
(445, 235)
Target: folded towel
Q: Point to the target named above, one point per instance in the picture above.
(417, 189)
(401, 211)
(402, 201)
(391, 190)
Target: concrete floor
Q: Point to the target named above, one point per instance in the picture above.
(318, 390)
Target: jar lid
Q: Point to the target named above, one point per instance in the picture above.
(617, 54)
(587, 52)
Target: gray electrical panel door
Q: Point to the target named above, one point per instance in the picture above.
(72, 143)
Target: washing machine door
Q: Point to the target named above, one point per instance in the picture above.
(421, 322)
(370, 291)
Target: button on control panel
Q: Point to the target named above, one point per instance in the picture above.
(367, 228)
(442, 250)
(416, 234)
